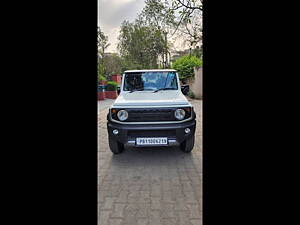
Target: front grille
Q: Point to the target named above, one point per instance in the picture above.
(150, 115)
(151, 133)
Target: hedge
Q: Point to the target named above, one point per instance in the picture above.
(185, 66)
(111, 86)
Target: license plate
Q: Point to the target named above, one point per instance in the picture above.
(152, 141)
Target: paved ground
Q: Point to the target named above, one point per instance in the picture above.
(150, 186)
(104, 104)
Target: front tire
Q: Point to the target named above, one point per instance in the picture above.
(115, 146)
(188, 145)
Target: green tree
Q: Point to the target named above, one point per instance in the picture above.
(156, 13)
(177, 19)
(140, 45)
(102, 42)
(112, 64)
(185, 66)
(100, 72)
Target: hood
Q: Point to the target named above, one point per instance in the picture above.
(148, 98)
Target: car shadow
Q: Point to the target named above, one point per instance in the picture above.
(154, 156)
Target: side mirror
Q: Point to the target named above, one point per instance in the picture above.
(185, 89)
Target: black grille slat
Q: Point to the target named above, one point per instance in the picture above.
(150, 115)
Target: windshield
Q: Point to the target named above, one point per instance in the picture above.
(150, 81)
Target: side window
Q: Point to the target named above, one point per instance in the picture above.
(128, 83)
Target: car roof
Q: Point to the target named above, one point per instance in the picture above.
(153, 70)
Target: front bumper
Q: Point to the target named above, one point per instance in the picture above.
(174, 132)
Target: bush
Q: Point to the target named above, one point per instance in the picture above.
(101, 78)
(111, 86)
(191, 94)
(185, 66)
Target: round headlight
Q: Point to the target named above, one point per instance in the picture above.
(179, 114)
(122, 115)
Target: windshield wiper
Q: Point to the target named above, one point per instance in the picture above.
(169, 88)
(140, 89)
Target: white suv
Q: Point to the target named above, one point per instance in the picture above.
(151, 111)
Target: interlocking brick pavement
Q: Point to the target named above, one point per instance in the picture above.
(151, 186)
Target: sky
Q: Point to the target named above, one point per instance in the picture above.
(111, 13)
